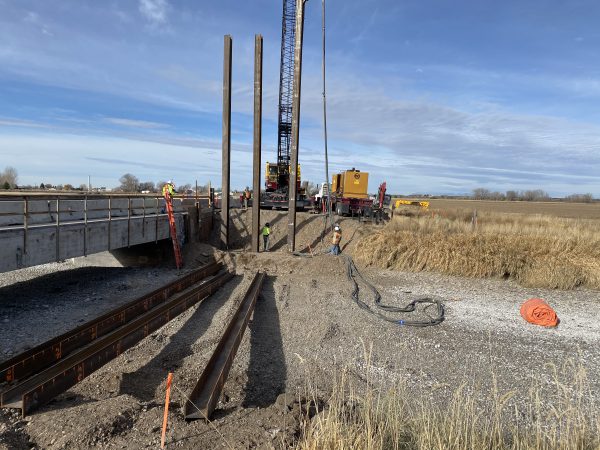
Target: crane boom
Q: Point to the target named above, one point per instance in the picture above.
(277, 175)
(286, 88)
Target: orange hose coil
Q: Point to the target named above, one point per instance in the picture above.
(538, 312)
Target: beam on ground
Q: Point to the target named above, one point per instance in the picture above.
(293, 180)
(42, 387)
(48, 353)
(258, 66)
(202, 401)
(226, 158)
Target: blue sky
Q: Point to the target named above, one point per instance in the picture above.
(431, 96)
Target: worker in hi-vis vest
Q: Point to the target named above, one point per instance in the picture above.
(337, 238)
(168, 189)
(266, 231)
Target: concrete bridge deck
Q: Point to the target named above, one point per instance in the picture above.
(38, 228)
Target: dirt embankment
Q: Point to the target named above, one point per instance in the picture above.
(306, 330)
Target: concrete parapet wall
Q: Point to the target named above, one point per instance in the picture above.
(12, 212)
(42, 244)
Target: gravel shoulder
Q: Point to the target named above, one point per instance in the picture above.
(305, 330)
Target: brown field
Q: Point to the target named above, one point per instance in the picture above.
(535, 250)
(556, 209)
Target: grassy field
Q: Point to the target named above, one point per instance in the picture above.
(556, 209)
(535, 250)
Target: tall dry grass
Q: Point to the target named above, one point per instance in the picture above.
(534, 250)
(564, 415)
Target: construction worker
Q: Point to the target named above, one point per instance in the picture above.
(168, 189)
(337, 238)
(247, 196)
(266, 231)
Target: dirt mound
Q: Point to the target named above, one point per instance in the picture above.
(312, 234)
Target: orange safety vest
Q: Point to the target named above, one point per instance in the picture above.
(337, 237)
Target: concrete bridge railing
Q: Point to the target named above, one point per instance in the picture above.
(39, 228)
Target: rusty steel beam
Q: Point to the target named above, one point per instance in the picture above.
(203, 399)
(226, 150)
(42, 387)
(292, 189)
(258, 66)
(49, 352)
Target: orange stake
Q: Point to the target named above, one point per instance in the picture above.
(164, 428)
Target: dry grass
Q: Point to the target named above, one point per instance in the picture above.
(561, 416)
(534, 250)
(555, 209)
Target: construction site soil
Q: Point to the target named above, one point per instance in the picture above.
(306, 329)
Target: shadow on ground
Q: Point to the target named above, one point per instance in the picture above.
(266, 370)
(65, 285)
(144, 381)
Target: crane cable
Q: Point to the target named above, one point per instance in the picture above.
(328, 207)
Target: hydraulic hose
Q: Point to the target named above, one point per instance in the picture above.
(354, 274)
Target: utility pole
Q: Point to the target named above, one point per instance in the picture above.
(293, 180)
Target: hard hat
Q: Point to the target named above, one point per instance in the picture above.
(170, 181)
(267, 224)
(337, 228)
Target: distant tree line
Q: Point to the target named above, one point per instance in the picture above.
(8, 178)
(535, 195)
(580, 198)
(131, 183)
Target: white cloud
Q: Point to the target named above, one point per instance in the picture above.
(154, 10)
(8, 122)
(131, 123)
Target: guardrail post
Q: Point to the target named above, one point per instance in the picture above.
(128, 221)
(57, 229)
(85, 225)
(25, 223)
(109, 220)
(156, 222)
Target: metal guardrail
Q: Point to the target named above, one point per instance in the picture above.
(56, 211)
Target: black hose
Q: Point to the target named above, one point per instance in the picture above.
(353, 274)
(438, 318)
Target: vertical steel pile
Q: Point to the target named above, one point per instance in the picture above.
(226, 158)
(292, 191)
(258, 65)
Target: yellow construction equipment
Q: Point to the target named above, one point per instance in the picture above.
(349, 193)
(424, 205)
